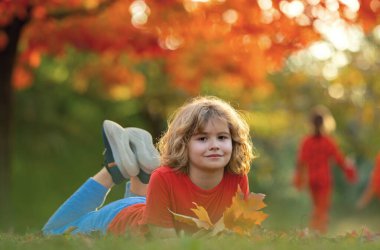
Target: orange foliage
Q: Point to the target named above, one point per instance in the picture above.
(214, 40)
(22, 78)
(122, 82)
(369, 14)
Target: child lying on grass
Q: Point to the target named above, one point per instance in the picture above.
(205, 157)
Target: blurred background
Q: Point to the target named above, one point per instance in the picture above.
(65, 66)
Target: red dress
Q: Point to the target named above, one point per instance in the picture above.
(375, 178)
(314, 156)
(170, 189)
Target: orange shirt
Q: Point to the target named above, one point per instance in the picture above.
(375, 178)
(170, 189)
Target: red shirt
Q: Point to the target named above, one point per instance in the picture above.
(170, 189)
(375, 178)
(315, 153)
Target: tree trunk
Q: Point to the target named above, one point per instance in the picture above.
(7, 61)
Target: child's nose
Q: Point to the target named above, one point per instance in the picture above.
(214, 144)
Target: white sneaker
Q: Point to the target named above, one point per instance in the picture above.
(141, 143)
(122, 153)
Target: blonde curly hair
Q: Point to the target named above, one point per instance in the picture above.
(191, 118)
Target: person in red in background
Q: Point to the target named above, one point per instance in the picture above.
(373, 188)
(313, 168)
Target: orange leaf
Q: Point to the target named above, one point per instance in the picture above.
(243, 214)
(191, 220)
(256, 201)
(218, 227)
(241, 217)
(202, 214)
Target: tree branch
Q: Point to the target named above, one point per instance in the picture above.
(63, 13)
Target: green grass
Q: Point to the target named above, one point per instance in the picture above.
(266, 241)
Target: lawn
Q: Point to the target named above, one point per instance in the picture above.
(264, 240)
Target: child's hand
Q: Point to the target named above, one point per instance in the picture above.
(299, 182)
(351, 174)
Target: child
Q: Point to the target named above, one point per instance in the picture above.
(315, 152)
(205, 157)
(373, 188)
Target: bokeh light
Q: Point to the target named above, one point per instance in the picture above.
(140, 12)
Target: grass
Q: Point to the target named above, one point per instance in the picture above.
(267, 241)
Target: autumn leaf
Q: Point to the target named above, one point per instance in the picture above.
(243, 214)
(203, 220)
(218, 227)
(363, 234)
(240, 218)
(202, 214)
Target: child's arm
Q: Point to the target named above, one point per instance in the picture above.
(299, 178)
(350, 171)
(347, 166)
(365, 198)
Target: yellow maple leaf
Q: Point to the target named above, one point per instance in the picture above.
(203, 220)
(243, 213)
(202, 214)
(241, 217)
(255, 201)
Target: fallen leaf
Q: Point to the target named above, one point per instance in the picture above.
(202, 214)
(191, 220)
(242, 215)
(240, 218)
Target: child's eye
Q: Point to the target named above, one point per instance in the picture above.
(223, 137)
(203, 138)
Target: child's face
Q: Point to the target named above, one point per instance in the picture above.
(211, 148)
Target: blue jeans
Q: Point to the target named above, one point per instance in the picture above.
(83, 213)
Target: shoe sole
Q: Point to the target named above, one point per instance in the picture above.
(141, 143)
(124, 157)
